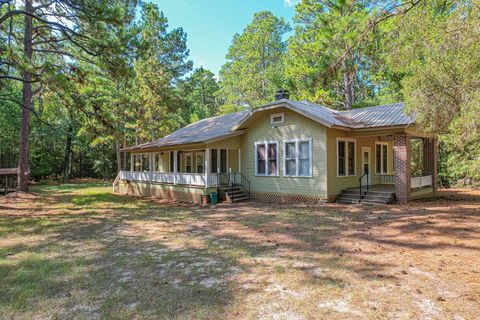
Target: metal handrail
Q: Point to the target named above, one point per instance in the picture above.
(360, 183)
(233, 180)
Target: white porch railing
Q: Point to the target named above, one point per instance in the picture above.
(419, 182)
(193, 179)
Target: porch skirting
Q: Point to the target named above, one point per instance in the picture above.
(182, 193)
(288, 198)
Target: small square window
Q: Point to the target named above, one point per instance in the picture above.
(276, 118)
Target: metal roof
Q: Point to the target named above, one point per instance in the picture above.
(389, 115)
(220, 127)
(198, 132)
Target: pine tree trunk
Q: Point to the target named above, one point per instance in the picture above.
(119, 155)
(26, 102)
(348, 89)
(67, 165)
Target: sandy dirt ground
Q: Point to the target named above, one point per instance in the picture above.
(117, 256)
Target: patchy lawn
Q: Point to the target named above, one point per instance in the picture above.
(79, 251)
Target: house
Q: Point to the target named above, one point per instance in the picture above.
(287, 151)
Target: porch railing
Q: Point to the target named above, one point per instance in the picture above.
(193, 179)
(420, 182)
(386, 179)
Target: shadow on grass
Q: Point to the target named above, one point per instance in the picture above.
(86, 265)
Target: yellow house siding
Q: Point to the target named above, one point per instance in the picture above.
(295, 126)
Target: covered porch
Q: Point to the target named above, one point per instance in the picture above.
(197, 167)
(393, 166)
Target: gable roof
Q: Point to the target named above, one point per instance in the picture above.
(221, 127)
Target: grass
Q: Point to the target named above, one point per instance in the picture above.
(79, 251)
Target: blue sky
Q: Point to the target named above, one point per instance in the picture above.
(211, 24)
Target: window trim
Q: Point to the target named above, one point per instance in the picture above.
(274, 115)
(382, 143)
(197, 155)
(346, 140)
(266, 159)
(297, 157)
(188, 154)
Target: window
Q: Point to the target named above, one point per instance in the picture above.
(158, 162)
(213, 156)
(200, 162)
(298, 158)
(266, 158)
(223, 160)
(346, 163)
(276, 118)
(188, 162)
(381, 157)
(172, 161)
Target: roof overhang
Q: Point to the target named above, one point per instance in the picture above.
(146, 148)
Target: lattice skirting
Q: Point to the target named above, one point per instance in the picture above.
(289, 198)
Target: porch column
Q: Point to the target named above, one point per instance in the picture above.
(175, 166)
(132, 162)
(150, 162)
(401, 165)
(430, 160)
(207, 166)
(239, 160)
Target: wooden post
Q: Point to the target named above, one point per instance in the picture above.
(175, 158)
(132, 162)
(207, 166)
(239, 160)
(6, 184)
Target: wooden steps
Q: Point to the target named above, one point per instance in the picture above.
(372, 197)
(234, 194)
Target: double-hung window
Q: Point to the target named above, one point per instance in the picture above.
(381, 157)
(346, 157)
(297, 158)
(266, 158)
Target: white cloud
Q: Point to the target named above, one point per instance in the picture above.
(290, 3)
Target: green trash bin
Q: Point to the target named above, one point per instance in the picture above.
(213, 197)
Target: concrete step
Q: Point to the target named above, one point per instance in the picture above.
(374, 202)
(347, 200)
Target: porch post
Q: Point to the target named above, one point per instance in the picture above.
(175, 166)
(150, 162)
(132, 162)
(239, 160)
(219, 161)
(430, 160)
(401, 165)
(207, 166)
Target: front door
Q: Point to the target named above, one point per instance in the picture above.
(366, 166)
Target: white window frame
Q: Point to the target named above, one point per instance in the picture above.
(346, 140)
(266, 159)
(378, 173)
(192, 163)
(297, 158)
(274, 115)
(197, 155)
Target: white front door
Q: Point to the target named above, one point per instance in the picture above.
(366, 166)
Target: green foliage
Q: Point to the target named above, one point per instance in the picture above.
(254, 69)
(201, 95)
(437, 51)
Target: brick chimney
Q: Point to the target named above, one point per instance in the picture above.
(282, 94)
